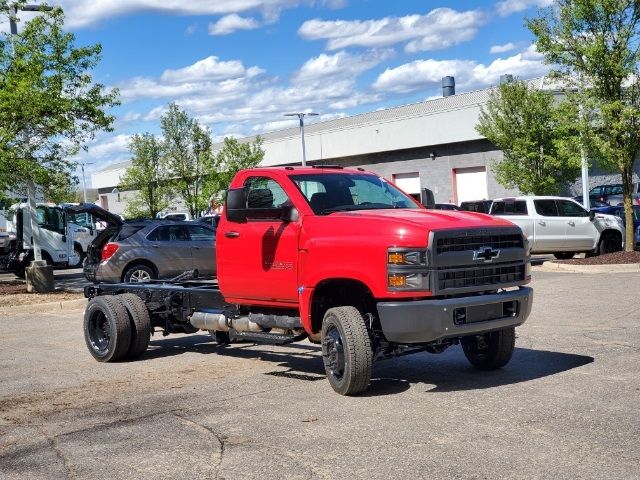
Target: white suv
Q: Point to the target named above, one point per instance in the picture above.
(561, 226)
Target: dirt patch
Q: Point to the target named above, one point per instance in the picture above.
(606, 259)
(13, 294)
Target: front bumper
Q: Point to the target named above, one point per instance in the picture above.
(424, 321)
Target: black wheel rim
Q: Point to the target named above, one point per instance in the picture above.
(333, 353)
(480, 345)
(99, 334)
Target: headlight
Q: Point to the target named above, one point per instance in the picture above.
(407, 269)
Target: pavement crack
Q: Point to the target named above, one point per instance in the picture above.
(218, 436)
(71, 471)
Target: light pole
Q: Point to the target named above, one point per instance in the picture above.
(31, 186)
(301, 116)
(84, 185)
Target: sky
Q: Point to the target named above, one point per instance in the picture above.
(239, 65)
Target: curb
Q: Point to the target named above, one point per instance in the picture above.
(569, 268)
(45, 307)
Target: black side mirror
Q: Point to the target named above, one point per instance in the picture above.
(592, 215)
(427, 199)
(236, 205)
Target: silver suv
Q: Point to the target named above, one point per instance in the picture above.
(151, 249)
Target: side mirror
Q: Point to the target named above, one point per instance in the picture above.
(64, 239)
(592, 215)
(427, 199)
(236, 205)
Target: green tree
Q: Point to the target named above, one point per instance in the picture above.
(147, 176)
(49, 105)
(593, 47)
(188, 156)
(233, 157)
(535, 136)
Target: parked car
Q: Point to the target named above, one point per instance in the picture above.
(480, 206)
(174, 216)
(144, 250)
(616, 198)
(445, 206)
(618, 211)
(594, 202)
(211, 220)
(561, 226)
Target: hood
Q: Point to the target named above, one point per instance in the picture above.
(430, 219)
(98, 212)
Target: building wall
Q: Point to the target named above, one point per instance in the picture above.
(437, 174)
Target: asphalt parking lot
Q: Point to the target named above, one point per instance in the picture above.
(565, 407)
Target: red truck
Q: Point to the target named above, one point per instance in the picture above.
(341, 257)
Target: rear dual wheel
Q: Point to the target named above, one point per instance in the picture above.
(116, 327)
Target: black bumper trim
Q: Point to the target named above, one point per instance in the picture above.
(424, 321)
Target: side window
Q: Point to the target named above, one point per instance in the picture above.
(264, 192)
(570, 209)
(615, 190)
(546, 208)
(198, 233)
(595, 192)
(518, 207)
(169, 233)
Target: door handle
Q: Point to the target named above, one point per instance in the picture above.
(155, 246)
(572, 223)
(542, 223)
(231, 234)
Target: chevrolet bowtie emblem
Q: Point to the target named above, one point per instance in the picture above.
(486, 254)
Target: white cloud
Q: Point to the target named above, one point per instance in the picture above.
(438, 29)
(424, 74)
(80, 15)
(507, 7)
(232, 22)
(340, 65)
(210, 68)
(507, 47)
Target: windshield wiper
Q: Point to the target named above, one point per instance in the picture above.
(350, 208)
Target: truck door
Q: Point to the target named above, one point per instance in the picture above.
(580, 231)
(550, 228)
(258, 260)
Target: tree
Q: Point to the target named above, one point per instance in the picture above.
(189, 160)
(147, 176)
(535, 136)
(49, 105)
(593, 46)
(233, 157)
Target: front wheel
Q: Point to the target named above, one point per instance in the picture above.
(346, 350)
(609, 243)
(491, 350)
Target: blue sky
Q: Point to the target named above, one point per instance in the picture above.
(239, 65)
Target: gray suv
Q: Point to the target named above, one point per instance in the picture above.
(151, 249)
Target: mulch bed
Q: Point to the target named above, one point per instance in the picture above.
(607, 259)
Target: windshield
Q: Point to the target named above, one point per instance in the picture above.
(339, 192)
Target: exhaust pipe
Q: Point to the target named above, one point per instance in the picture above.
(218, 321)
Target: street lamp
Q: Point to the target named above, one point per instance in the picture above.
(84, 185)
(301, 116)
(31, 186)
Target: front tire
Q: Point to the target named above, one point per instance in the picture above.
(139, 273)
(491, 350)
(346, 350)
(609, 243)
(107, 330)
